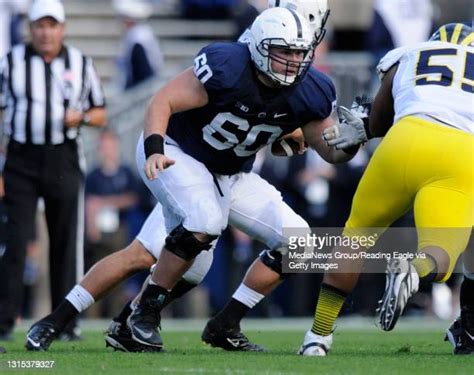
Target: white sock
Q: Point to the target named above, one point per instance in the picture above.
(80, 298)
(247, 296)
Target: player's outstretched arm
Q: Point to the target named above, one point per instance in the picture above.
(182, 93)
(313, 134)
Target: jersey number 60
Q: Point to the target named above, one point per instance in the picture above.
(201, 69)
(229, 131)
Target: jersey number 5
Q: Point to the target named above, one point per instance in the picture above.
(443, 74)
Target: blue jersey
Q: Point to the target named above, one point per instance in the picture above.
(242, 114)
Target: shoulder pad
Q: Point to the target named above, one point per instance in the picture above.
(389, 60)
(220, 65)
(245, 37)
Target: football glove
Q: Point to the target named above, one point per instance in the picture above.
(352, 129)
(361, 106)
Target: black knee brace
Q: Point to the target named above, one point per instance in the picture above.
(272, 259)
(185, 245)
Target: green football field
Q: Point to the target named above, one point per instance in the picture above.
(415, 347)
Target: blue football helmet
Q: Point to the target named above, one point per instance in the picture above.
(456, 33)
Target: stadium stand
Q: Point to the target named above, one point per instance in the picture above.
(95, 29)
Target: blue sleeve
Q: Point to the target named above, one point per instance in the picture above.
(315, 97)
(219, 65)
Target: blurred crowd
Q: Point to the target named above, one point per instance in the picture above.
(117, 202)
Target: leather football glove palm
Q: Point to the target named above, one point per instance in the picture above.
(352, 127)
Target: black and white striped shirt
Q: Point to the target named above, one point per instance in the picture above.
(34, 94)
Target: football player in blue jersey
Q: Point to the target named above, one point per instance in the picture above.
(145, 249)
(202, 131)
(265, 273)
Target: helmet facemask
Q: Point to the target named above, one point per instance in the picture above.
(294, 70)
(319, 32)
(286, 30)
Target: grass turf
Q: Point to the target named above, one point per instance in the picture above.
(355, 351)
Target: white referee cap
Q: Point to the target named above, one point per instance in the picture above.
(47, 8)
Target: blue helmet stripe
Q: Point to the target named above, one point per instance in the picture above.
(299, 26)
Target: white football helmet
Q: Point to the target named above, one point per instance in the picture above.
(315, 11)
(281, 28)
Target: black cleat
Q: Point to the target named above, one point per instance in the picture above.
(144, 324)
(461, 341)
(119, 337)
(40, 336)
(2, 350)
(231, 339)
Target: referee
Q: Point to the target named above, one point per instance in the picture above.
(47, 92)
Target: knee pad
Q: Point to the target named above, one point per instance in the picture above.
(272, 259)
(185, 245)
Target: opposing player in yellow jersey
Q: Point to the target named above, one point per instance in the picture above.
(425, 161)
